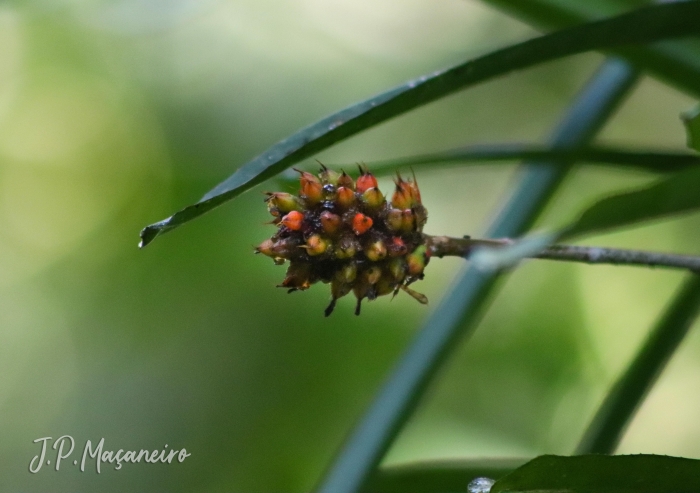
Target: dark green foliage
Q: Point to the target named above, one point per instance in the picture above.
(603, 474)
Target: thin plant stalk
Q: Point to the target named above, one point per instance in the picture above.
(444, 246)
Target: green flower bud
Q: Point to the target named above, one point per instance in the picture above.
(316, 245)
(283, 203)
(328, 176)
(372, 199)
(394, 220)
(375, 250)
(397, 268)
(347, 247)
(417, 261)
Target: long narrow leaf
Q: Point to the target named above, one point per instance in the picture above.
(658, 161)
(677, 61)
(641, 26)
(661, 161)
(669, 196)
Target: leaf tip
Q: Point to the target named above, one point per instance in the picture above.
(152, 231)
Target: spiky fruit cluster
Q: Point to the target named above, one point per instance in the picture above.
(344, 232)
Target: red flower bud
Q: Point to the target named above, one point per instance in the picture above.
(365, 181)
(361, 223)
(293, 220)
(311, 188)
(397, 247)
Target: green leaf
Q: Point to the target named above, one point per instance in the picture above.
(603, 474)
(691, 119)
(438, 476)
(673, 195)
(658, 161)
(641, 26)
(677, 61)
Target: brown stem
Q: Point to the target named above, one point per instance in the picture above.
(441, 246)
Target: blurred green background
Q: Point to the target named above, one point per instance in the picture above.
(115, 114)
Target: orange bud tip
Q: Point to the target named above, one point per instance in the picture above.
(293, 221)
(365, 181)
(361, 223)
(310, 187)
(345, 197)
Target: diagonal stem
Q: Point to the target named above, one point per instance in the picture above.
(461, 309)
(610, 422)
